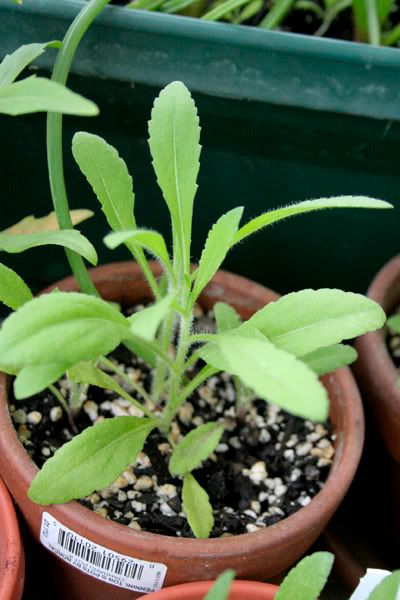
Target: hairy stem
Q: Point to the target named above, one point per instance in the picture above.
(161, 369)
(194, 383)
(133, 384)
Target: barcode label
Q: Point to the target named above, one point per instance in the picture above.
(98, 561)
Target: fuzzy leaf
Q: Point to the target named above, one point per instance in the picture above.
(217, 245)
(226, 317)
(86, 372)
(33, 224)
(220, 589)
(67, 238)
(174, 145)
(388, 589)
(146, 322)
(62, 327)
(302, 322)
(195, 447)
(13, 290)
(275, 375)
(327, 360)
(197, 507)
(307, 579)
(13, 64)
(37, 94)
(32, 380)
(152, 241)
(91, 461)
(307, 206)
(109, 178)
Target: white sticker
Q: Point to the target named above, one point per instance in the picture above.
(97, 561)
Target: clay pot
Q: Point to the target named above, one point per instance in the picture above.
(259, 555)
(12, 561)
(250, 590)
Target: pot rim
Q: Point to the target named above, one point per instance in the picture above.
(12, 558)
(347, 455)
(242, 586)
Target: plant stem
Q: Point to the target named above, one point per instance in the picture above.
(194, 383)
(201, 337)
(54, 136)
(65, 406)
(142, 261)
(161, 368)
(135, 386)
(374, 31)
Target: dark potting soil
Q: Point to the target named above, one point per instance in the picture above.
(267, 466)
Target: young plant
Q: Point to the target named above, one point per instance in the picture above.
(278, 354)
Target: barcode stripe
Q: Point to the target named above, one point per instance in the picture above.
(114, 565)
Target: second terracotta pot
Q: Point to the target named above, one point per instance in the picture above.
(260, 555)
(12, 560)
(240, 590)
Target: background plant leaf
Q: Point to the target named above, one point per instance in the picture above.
(327, 360)
(388, 589)
(13, 290)
(195, 447)
(197, 507)
(91, 460)
(226, 317)
(221, 587)
(33, 224)
(13, 64)
(307, 579)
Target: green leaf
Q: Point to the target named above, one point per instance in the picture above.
(307, 206)
(146, 322)
(109, 178)
(174, 145)
(13, 290)
(195, 447)
(32, 380)
(226, 317)
(304, 321)
(223, 9)
(13, 64)
(307, 579)
(217, 245)
(62, 327)
(388, 589)
(394, 323)
(152, 241)
(86, 372)
(67, 238)
(276, 14)
(197, 507)
(221, 588)
(37, 94)
(275, 375)
(91, 461)
(33, 224)
(327, 360)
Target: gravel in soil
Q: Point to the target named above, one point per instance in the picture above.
(267, 466)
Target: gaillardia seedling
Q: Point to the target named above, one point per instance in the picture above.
(276, 356)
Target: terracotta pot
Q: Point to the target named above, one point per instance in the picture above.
(259, 555)
(12, 561)
(250, 590)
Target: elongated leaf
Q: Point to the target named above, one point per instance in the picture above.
(394, 323)
(327, 360)
(273, 374)
(109, 178)
(195, 447)
(226, 317)
(217, 245)
(13, 290)
(62, 327)
(91, 461)
(32, 380)
(307, 579)
(307, 206)
(276, 14)
(388, 589)
(146, 322)
(33, 224)
(174, 145)
(152, 241)
(13, 64)
(67, 238)
(302, 322)
(37, 94)
(197, 507)
(220, 589)
(86, 372)
(221, 10)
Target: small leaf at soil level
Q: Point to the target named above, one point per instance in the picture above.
(91, 461)
(32, 380)
(195, 447)
(220, 589)
(197, 507)
(302, 322)
(275, 375)
(67, 238)
(13, 290)
(62, 327)
(307, 579)
(217, 245)
(388, 589)
(33, 224)
(226, 317)
(174, 136)
(146, 322)
(37, 94)
(327, 360)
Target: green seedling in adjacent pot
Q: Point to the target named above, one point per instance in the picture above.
(277, 355)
